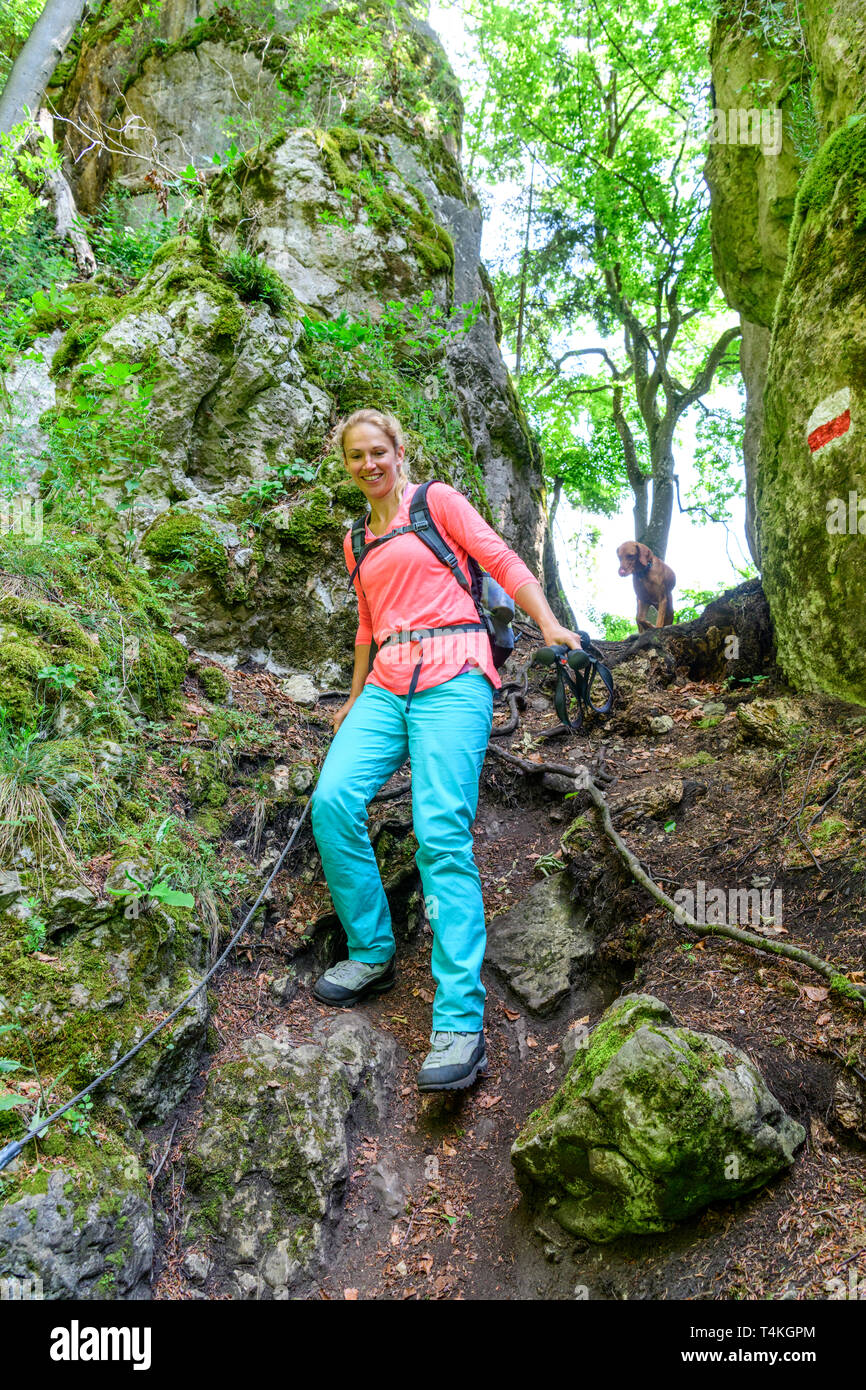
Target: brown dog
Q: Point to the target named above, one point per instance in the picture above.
(654, 582)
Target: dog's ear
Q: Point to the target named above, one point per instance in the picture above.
(644, 555)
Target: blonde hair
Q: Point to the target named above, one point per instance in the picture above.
(388, 424)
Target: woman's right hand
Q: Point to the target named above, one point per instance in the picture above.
(340, 714)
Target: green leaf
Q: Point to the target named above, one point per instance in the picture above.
(671, 825)
(10, 1102)
(7, 1065)
(171, 897)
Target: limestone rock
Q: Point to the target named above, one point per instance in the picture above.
(770, 722)
(300, 689)
(661, 724)
(652, 1123)
(653, 802)
(84, 1228)
(540, 944)
(270, 1162)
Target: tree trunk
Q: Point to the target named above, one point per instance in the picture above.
(35, 64)
(65, 211)
(659, 524)
(524, 261)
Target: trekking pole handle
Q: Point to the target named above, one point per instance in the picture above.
(575, 657)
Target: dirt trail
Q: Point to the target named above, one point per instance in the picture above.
(431, 1207)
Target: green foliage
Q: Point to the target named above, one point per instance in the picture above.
(396, 363)
(160, 892)
(124, 248)
(21, 170)
(100, 438)
(32, 259)
(254, 280)
(280, 479)
(775, 23)
(17, 18)
(582, 109)
(616, 629)
(690, 603)
(800, 119)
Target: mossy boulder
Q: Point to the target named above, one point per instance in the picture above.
(541, 945)
(652, 1123)
(80, 1221)
(269, 1166)
(114, 966)
(37, 635)
(229, 399)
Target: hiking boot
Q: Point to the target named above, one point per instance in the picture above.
(454, 1062)
(349, 981)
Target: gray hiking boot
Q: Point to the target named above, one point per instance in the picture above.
(454, 1062)
(351, 980)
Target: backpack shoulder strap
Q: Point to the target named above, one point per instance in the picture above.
(358, 531)
(426, 531)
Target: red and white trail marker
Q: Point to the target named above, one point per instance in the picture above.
(830, 419)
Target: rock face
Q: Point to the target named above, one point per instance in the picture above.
(346, 185)
(651, 1124)
(788, 248)
(540, 945)
(752, 195)
(271, 1159)
(86, 1231)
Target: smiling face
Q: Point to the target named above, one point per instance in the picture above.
(372, 460)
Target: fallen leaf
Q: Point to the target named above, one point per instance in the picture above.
(488, 1102)
(815, 992)
(49, 960)
(448, 1151)
(532, 1042)
(511, 1014)
(351, 1295)
(822, 1019)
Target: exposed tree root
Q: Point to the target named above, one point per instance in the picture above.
(838, 981)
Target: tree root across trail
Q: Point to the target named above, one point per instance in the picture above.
(584, 782)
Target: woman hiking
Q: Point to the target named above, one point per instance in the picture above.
(429, 698)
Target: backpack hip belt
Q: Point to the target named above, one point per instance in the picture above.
(416, 634)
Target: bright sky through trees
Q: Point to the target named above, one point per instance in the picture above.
(698, 551)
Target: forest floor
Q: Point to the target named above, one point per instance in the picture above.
(461, 1229)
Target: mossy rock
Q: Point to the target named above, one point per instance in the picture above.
(652, 1123)
(158, 673)
(215, 683)
(81, 1220)
(813, 557)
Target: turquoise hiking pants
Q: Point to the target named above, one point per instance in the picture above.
(445, 733)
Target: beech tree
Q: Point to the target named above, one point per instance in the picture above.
(589, 106)
(34, 67)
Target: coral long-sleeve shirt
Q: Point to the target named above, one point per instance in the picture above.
(402, 584)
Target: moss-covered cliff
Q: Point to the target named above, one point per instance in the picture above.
(789, 239)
